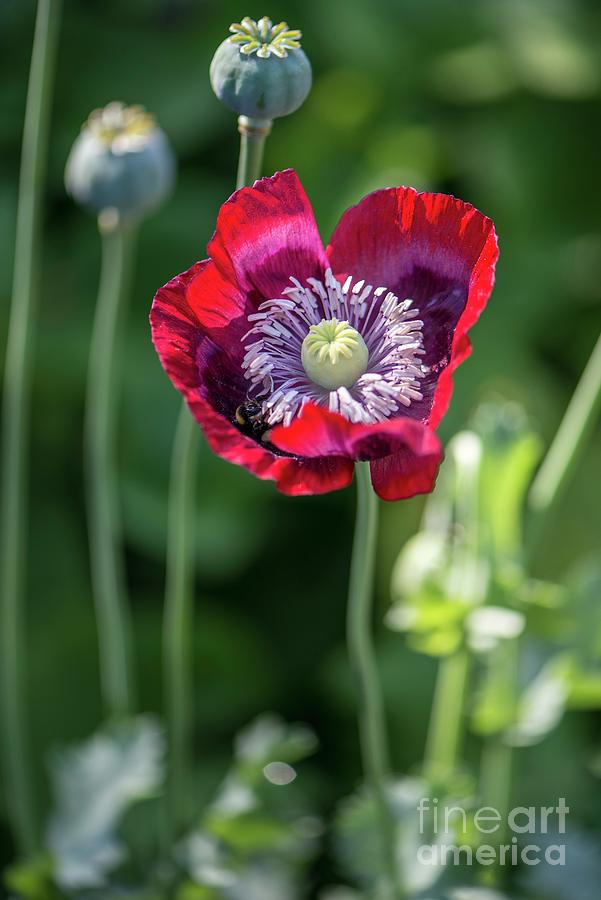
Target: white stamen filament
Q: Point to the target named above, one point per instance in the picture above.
(389, 328)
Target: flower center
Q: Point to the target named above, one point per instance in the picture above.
(353, 348)
(334, 354)
(264, 38)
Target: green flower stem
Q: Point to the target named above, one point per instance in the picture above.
(496, 779)
(253, 134)
(179, 591)
(179, 616)
(496, 768)
(104, 520)
(571, 436)
(446, 724)
(16, 404)
(372, 723)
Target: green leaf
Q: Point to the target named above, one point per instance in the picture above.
(472, 892)
(357, 843)
(430, 604)
(264, 880)
(584, 689)
(207, 862)
(419, 566)
(488, 626)
(265, 742)
(32, 880)
(439, 576)
(511, 452)
(340, 893)
(578, 879)
(190, 891)
(440, 642)
(94, 783)
(543, 703)
(211, 868)
(251, 833)
(269, 738)
(255, 838)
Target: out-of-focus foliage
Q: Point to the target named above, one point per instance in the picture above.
(93, 785)
(257, 836)
(252, 842)
(496, 102)
(578, 878)
(463, 580)
(469, 551)
(357, 845)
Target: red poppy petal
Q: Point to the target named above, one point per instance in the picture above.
(175, 328)
(200, 301)
(295, 477)
(265, 234)
(437, 250)
(408, 451)
(299, 477)
(481, 285)
(404, 474)
(184, 351)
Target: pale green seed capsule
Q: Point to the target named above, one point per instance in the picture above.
(260, 71)
(121, 161)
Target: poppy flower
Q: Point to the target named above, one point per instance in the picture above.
(296, 360)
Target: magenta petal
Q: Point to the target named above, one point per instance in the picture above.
(433, 248)
(407, 453)
(267, 233)
(405, 474)
(213, 386)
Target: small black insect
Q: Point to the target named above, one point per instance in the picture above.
(249, 418)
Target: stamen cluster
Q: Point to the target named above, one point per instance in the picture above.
(350, 314)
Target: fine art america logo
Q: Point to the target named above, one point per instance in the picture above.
(526, 835)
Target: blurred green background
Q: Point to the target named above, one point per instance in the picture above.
(497, 102)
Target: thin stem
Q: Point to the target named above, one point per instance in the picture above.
(446, 724)
(496, 779)
(496, 769)
(104, 520)
(571, 436)
(253, 134)
(372, 723)
(179, 614)
(16, 404)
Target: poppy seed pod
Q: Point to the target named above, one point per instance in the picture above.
(120, 161)
(260, 71)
